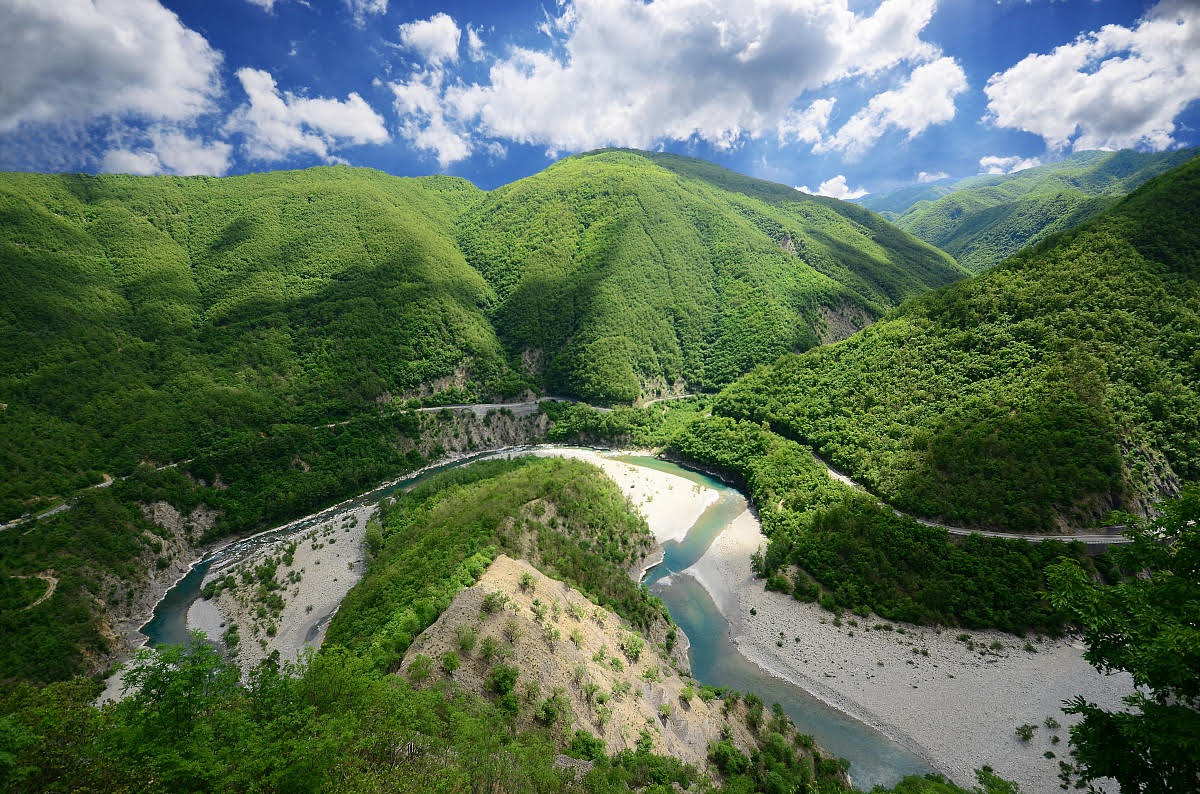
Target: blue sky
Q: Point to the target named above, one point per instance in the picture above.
(837, 96)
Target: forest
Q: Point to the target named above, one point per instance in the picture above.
(1057, 389)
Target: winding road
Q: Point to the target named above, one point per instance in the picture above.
(1098, 536)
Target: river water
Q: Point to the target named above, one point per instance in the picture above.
(874, 760)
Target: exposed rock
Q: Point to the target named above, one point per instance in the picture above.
(126, 606)
(574, 649)
(842, 322)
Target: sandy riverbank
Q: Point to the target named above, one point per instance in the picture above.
(671, 504)
(956, 702)
(315, 570)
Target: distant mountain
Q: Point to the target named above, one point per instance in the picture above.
(1046, 392)
(984, 219)
(895, 203)
(620, 273)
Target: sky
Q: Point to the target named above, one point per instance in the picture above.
(840, 97)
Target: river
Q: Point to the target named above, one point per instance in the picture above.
(874, 760)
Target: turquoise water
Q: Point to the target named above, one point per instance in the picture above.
(715, 659)
(168, 623)
(874, 760)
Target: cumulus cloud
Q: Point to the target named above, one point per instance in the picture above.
(924, 99)
(926, 177)
(277, 125)
(475, 46)
(434, 39)
(74, 60)
(361, 9)
(835, 187)
(630, 72)
(170, 152)
(1112, 88)
(807, 126)
(424, 123)
(994, 164)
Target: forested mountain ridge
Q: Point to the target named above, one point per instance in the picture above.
(1045, 392)
(621, 272)
(984, 219)
(147, 318)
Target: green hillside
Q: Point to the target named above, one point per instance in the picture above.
(620, 273)
(1050, 390)
(986, 219)
(147, 319)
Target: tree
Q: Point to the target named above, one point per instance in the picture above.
(1147, 625)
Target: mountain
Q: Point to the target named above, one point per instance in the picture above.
(1048, 391)
(895, 203)
(620, 273)
(144, 318)
(985, 219)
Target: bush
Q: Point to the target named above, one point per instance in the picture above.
(586, 746)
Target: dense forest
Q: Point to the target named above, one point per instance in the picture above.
(983, 220)
(149, 319)
(1047, 392)
(253, 347)
(619, 270)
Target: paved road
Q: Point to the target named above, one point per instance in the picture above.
(1098, 536)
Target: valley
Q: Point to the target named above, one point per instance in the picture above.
(391, 441)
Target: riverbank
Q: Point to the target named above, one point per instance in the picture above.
(670, 504)
(952, 697)
(317, 568)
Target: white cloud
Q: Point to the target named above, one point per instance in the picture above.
(74, 60)
(631, 73)
(434, 39)
(475, 46)
(361, 9)
(265, 5)
(926, 177)
(924, 99)
(125, 161)
(277, 126)
(1112, 88)
(994, 164)
(423, 121)
(807, 126)
(170, 152)
(835, 187)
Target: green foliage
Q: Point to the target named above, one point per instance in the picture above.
(441, 535)
(328, 723)
(148, 318)
(986, 219)
(586, 746)
(1048, 390)
(620, 272)
(1145, 625)
(865, 556)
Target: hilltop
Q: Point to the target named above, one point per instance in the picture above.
(621, 273)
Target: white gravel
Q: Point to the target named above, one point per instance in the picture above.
(923, 688)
